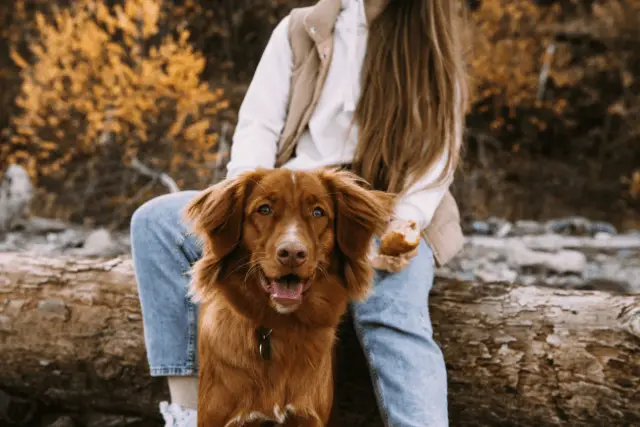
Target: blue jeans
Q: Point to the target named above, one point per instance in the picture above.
(393, 325)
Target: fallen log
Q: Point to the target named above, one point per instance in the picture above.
(71, 335)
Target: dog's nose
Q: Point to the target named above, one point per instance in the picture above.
(292, 253)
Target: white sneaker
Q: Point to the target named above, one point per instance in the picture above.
(176, 416)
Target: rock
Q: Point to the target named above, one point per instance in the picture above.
(554, 242)
(614, 274)
(603, 227)
(519, 255)
(563, 261)
(579, 226)
(44, 225)
(499, 227)
(527, 227)
(16, 192)
(491, 227)
(63, 421)
(602, 236)
(69, 238)
(99, 243)
(503, 230)
(528, 280)
(575, 226)
(566, 262)
(606, 262)
(494, 273)
(13, 242)
(480, 227)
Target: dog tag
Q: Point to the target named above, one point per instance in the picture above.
(264, 343)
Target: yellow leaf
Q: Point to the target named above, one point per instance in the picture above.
(48, 145)
(18, 60)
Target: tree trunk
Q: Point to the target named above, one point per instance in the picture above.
(71, 334)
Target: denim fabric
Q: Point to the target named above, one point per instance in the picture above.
(393, 326)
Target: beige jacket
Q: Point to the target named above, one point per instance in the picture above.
(311, 37)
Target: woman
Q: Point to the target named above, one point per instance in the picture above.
(376, 84)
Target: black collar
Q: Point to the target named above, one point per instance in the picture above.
(264, 342)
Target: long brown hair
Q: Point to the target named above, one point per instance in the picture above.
(414, 94)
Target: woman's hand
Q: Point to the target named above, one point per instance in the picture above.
(399, 246)
(392, 264)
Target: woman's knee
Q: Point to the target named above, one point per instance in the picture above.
(167, 209)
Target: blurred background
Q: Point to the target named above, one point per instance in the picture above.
(98, 99)
(106, 104)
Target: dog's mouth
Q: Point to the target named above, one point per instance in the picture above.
(286, 290)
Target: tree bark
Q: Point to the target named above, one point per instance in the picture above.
(71, 334)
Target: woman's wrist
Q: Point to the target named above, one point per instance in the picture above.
(407, 212)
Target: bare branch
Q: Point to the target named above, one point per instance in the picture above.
(165, 179)
(544, 72)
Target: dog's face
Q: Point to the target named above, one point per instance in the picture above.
(288, 239)
(288, 230)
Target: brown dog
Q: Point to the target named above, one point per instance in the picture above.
(283, 253)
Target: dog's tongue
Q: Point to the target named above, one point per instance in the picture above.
(287, 289)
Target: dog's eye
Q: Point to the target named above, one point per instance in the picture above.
(265, 210)
(318, 212)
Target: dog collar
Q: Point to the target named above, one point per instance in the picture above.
(264, 343)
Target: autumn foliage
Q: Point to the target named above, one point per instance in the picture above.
(94, 85)
(523, 55)
(556, 105)
(105, 86)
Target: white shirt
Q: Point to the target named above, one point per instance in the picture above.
(327, 140)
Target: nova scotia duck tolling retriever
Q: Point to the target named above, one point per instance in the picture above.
(283, 254)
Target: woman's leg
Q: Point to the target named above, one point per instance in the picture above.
(407, 366)
(163, 252)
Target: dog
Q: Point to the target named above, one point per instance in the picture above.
(283, 253)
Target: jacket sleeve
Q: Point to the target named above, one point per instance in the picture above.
(419, 203)
(264, 109)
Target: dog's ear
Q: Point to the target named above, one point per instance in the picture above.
(217, 214)
(360, 215)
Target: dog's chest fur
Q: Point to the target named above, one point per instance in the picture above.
(295, 381)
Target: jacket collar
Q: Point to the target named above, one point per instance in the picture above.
(321, 18)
